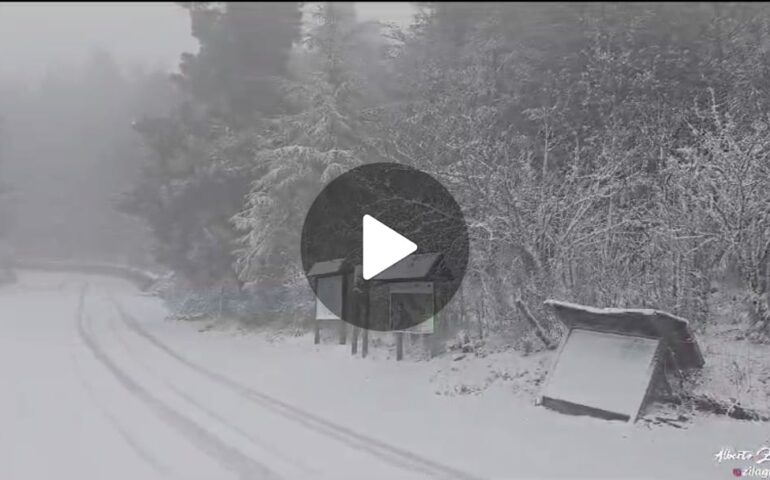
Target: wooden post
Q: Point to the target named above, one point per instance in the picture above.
(433, 341)
(399, 346)
(365, 338)
(354, 313)
(343, 332)
(316, 323)
(463, 315)
(354, 341)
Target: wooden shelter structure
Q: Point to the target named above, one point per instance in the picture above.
(407, 290)
(611, 361)
(333, 283)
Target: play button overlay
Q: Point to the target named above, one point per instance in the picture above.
(382, 247)
(401, 232)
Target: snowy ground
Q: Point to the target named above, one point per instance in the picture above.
(95, 383)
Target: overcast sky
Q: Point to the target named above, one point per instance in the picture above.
(35, 37)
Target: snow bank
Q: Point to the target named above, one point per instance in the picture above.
(142, 278)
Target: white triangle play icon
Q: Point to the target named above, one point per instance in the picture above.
(382, 247)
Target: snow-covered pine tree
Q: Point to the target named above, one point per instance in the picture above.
(326, 136)
(201, 156)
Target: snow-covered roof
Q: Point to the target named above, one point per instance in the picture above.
(416, 266)
(329, 267)
(673, 330)
(614, 311)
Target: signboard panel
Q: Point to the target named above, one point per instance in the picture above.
(409, 300)
(605, 371)
(328, 297)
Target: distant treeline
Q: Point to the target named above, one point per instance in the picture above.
(67, 151)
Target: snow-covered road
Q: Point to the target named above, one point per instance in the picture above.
(95, 384)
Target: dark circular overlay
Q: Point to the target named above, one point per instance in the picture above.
(412, 203)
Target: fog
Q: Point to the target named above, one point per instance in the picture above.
(39, 37)
(74, 77)
(187, 191)
(36, 38)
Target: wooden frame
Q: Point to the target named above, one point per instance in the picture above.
(652, 369)
(344, 286)
(551, 368)
(430, 288)
(567, 406)
(426, 268)
(331, 315)
(676, 348)
(403, 288)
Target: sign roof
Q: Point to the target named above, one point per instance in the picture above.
(674, 331)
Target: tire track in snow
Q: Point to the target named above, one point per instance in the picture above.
(212, 414)
(390, 454)
(228, 457)
(137, 448)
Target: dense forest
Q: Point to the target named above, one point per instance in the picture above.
(608, 154)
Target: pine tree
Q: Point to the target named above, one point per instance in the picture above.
(327, 136)
(202, 155)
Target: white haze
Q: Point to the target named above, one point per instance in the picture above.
(36, 38)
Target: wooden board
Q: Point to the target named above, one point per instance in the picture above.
(329, 297)
(412, 298)
(329, 267)
(601, 373)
